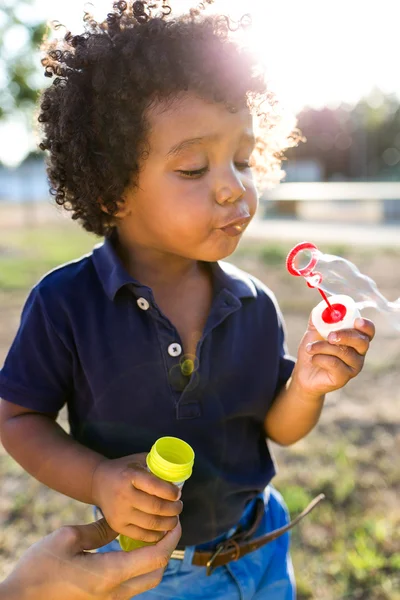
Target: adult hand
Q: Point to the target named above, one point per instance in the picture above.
(59, 568)
(135, 502)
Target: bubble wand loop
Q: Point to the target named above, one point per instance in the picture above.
(340, 311)
(307, 271)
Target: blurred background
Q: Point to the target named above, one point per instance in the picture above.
(334, 66)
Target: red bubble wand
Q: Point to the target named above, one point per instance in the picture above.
(328, 315)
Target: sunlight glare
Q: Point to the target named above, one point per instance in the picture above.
(314, 53)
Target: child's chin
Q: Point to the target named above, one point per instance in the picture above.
(219, 254)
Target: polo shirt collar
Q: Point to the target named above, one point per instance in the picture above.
(110, 270)
(227, 276)
(114, 276)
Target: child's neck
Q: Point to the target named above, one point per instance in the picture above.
(182, 288)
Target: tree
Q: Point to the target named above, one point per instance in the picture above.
(20, 37)
(353, 142)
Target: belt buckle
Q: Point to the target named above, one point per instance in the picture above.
(209, 565)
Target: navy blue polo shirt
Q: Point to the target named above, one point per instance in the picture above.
(93, 338)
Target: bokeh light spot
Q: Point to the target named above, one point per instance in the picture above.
(391, 156)
(187, 366)
(189, 363)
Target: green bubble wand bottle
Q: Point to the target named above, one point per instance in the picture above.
(170, 459)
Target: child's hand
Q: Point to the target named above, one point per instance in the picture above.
(135, 502)
(327, 365)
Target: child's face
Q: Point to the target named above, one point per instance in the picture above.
(194, 182)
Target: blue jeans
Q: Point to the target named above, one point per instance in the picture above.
(266, 574)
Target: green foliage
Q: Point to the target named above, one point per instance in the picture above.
(296, 498)
(365, 558)
(362, 562)
(19, 63)
(304, 588)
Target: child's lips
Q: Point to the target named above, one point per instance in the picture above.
(236, 227)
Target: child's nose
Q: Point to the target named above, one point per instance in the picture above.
(230, 192)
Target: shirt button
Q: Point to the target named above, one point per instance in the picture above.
(143, 304)
(174, 349)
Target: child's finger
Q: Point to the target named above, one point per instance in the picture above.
(143, 535)
(153, 505)
(336, 367)
(365, 326)
(351, 338)
(152, 522)
(345, 354)
(149, 483)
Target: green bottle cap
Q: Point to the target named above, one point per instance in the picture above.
(171, 459)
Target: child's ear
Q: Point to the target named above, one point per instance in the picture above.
(122, 211)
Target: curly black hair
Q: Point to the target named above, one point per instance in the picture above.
(93, 115)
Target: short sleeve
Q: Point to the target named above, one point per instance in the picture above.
(286, 362)
(37, 372)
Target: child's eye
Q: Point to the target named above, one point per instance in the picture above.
(196, 173)
(242, 166)
(193, 174)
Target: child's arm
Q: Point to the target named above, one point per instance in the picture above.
(292, 415)
(38, 374)
(36, 380)
(45, 450)
(134, 502)
(322, 366)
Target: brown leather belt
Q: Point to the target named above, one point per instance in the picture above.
(239, 544)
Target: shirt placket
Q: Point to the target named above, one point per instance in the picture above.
(190, 401)
(187, 398)
(168, 337)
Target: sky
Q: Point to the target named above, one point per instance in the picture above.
(315, 52)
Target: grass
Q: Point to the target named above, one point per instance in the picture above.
(26, 255)
(349, 547)
(345, 548)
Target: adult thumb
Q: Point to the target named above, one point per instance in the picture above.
(94, 535)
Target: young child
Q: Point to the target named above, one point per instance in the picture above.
(154, 127)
